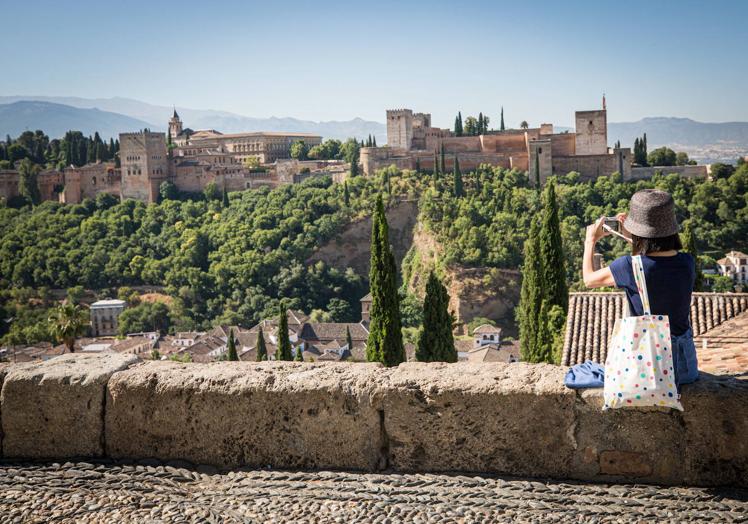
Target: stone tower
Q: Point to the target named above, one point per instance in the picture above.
(400, 128)
(144, 165)
(175, 125)
(592, 132)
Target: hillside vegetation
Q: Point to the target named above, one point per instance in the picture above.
(233, 263)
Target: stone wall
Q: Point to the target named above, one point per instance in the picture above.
(638, 173)
(511, 419)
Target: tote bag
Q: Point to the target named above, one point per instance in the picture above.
(639, 365)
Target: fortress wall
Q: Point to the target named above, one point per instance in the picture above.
(505, 143)
(510, 419)
(563, 144)
(588, 166)
(638, 173)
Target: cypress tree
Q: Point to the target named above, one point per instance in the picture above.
(284, 343)
(385, 343)
(459, 131)
(502, 119)
(225, 198)
(531, 296)
(436, 164)
(346, 195)
(480, 123)
(457, 126)
(553, 280)
(354, 167)
(348, 339)
(262, 350)
(443, 166)
(418, 165)
(459, 191)
(233, 356)
(299, 357)
(374, 141)
(689, 241)
(537, 170)
(435, 341)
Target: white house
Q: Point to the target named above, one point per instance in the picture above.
(486, 334)
(735, 266)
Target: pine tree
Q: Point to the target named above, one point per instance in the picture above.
(385, 343)
(689, 241)
(348, 339)
(435, 341)
(458, 189)
(531, 295)
(346, 195)
(553, 280)
(284, 343)
(299, 356)
(232, 355)
(502, 119)
(262, 351)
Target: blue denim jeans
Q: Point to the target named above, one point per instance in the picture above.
(684, 358)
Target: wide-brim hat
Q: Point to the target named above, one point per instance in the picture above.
(651, 214)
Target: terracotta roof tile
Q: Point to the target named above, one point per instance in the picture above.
(591, 317)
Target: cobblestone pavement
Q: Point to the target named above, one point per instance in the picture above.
(147, 492)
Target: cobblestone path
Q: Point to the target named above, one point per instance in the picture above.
(145, 492)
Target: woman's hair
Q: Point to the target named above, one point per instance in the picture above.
(642, 246)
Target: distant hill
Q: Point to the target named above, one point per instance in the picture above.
(704, 141)
(157, 118)
(667, 130)
(56, 119)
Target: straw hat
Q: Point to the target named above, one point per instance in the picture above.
(651, 214)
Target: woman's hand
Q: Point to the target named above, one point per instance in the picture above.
(595, 231)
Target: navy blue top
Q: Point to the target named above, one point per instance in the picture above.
(669, 286)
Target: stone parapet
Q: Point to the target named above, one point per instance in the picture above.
(55, 408)
(510, 419)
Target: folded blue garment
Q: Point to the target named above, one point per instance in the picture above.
(586, 375)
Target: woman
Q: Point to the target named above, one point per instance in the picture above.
(651, 227)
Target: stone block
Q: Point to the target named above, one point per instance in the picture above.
(55, 408)
(627, 444)
(501, 418)
(715, 419)
(4, 368)
(233, 414)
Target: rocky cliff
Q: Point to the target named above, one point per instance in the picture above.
(475, 292)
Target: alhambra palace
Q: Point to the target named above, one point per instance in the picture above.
(239, 161)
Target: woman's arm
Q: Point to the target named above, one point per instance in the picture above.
(602, 277)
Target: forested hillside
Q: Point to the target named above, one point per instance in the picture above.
(488, 226)
(232, 261)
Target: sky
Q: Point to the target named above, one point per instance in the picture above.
(540, 60)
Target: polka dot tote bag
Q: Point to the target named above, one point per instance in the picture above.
(639, 366)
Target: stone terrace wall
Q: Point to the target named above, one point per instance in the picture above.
(514, 419)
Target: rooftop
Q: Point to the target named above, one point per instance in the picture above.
(109, 302)
(592, 315)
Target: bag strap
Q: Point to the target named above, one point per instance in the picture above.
(641, 282)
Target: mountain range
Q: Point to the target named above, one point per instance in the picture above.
(706, 142)
(18, 118)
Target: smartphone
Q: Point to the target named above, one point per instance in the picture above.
(612, 224)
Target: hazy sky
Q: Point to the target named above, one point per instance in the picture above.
(338, 60)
